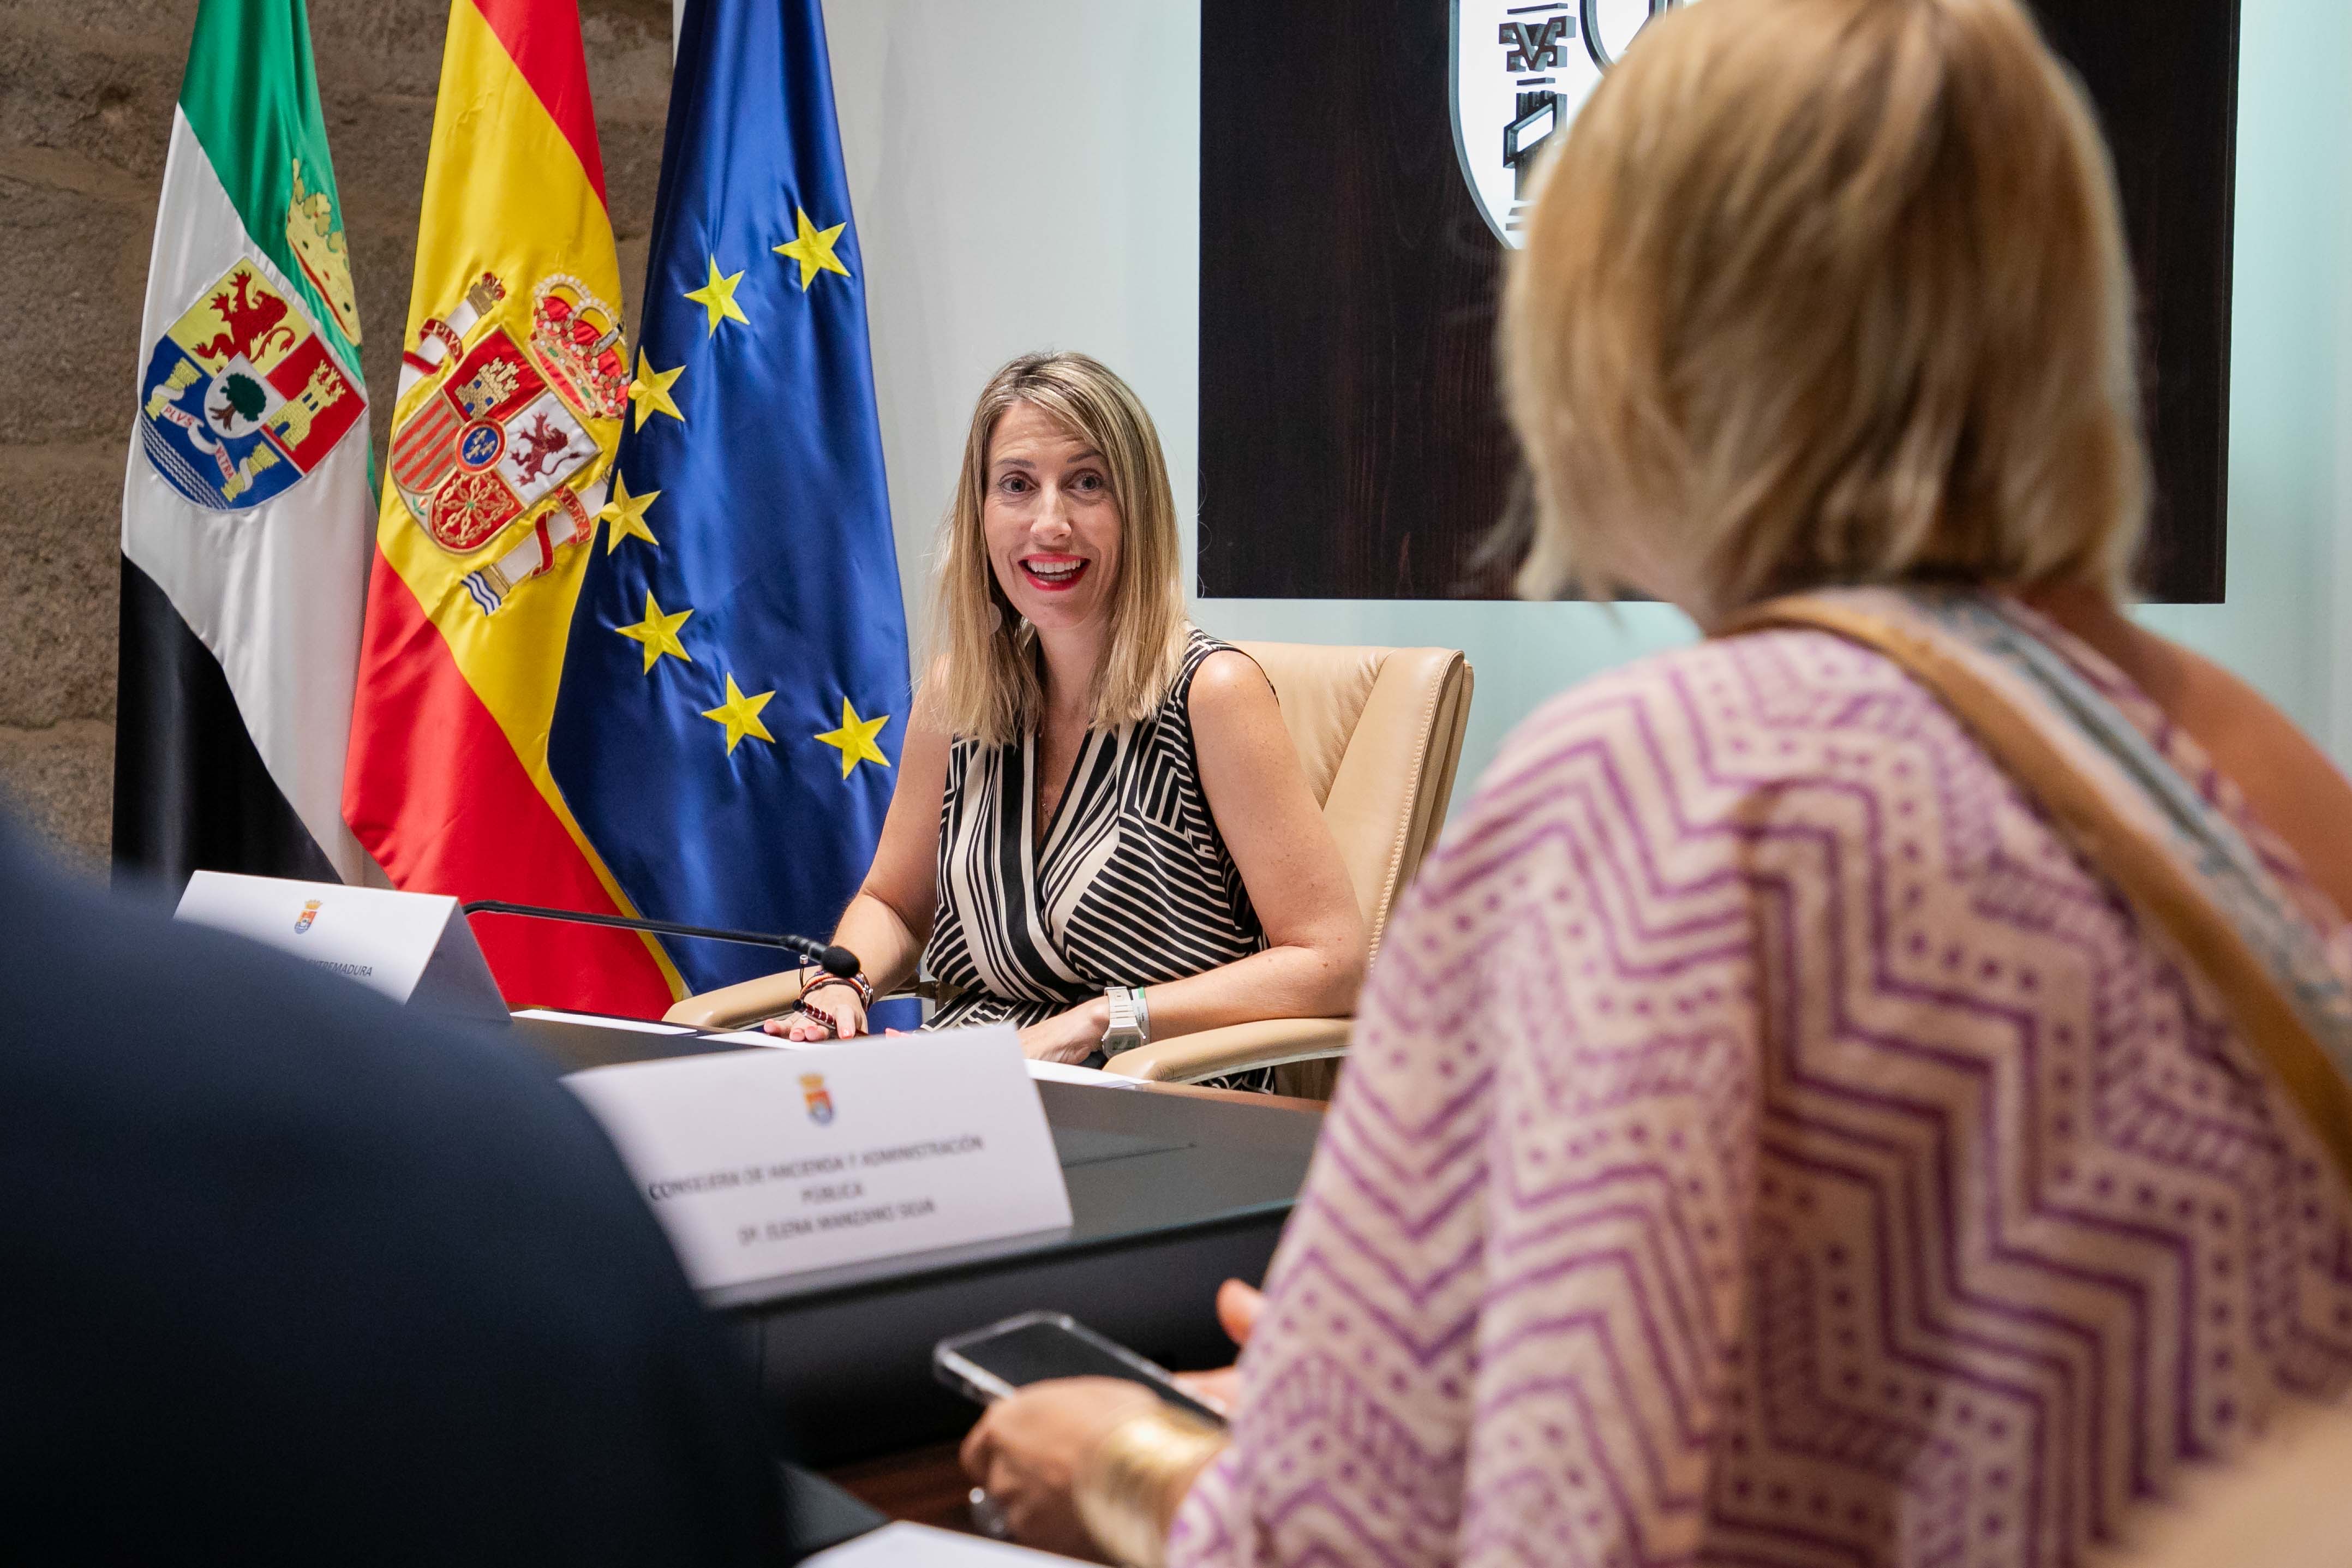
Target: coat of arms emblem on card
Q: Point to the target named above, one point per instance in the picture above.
(818, 1099)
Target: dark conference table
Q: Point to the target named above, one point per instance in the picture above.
(1172, 1191)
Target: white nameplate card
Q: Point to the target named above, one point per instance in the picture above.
(766, 1162)
(413, 947)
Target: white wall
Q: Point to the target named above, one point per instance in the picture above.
(1026, 176)
(2287, 626)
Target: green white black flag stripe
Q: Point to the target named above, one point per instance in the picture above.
(248, 503)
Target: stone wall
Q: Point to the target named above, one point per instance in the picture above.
(87, 89)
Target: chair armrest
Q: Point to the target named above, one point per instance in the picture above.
(740, 1005)
(1236, 1048)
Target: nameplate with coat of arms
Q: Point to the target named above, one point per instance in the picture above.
(414, 948)
(759, 1164)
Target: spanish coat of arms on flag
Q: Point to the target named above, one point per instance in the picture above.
(503, 429)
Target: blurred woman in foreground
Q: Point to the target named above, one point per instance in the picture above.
(1868, 1088)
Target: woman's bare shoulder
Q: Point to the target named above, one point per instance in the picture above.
(1230, 701)
(1225, 677)
(2289, 785)
(2292, 787)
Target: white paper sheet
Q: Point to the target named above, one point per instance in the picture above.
(906, 1545)
(758, 1037)
(1068, 1072)
(599, 1021)
(1048, 1072)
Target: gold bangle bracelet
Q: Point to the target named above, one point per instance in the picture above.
(1129, 1485)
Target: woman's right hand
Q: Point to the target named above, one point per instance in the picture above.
(841, 1003)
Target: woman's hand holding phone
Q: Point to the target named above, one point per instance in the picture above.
(1027, 1448)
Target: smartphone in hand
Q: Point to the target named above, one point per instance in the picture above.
(987, 1364)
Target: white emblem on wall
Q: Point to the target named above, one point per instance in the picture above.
(1520, 73)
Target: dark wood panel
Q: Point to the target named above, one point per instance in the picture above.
(2163, 77)
(1351, 442)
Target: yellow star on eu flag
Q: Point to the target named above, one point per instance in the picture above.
(855, 739)
(716, 298)
(813, 249)
(650, 391)
(740, 714)
(626, 513)
(659, 632)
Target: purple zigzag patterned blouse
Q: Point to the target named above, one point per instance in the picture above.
(1767, 1142)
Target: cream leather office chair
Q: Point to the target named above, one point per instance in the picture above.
(1379, 733)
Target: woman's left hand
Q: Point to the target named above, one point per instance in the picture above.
(1070, 1037)
(1238, 1306)
(1027, 1449)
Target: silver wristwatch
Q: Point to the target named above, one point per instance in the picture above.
(1130, 1020)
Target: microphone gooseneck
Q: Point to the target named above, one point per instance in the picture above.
(837, 961)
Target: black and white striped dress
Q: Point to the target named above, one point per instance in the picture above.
(1129, 884)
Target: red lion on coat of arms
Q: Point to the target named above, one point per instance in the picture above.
(538, 446)
(247, 323)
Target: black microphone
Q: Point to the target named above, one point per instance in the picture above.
(837, 961)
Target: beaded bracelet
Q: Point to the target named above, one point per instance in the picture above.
(857, 983)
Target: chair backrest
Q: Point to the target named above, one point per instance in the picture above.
(1379, 731)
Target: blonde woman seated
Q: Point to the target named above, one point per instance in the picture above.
(1870, 1089)
(1096, 804)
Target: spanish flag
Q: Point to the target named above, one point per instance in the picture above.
(513, 383)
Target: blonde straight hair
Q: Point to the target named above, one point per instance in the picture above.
(1827, 291)
(984, 683)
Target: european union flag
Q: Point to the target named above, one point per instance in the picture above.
(735, 687)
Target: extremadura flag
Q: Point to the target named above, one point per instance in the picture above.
(246, 510)
(513, 382)
(735, 687)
